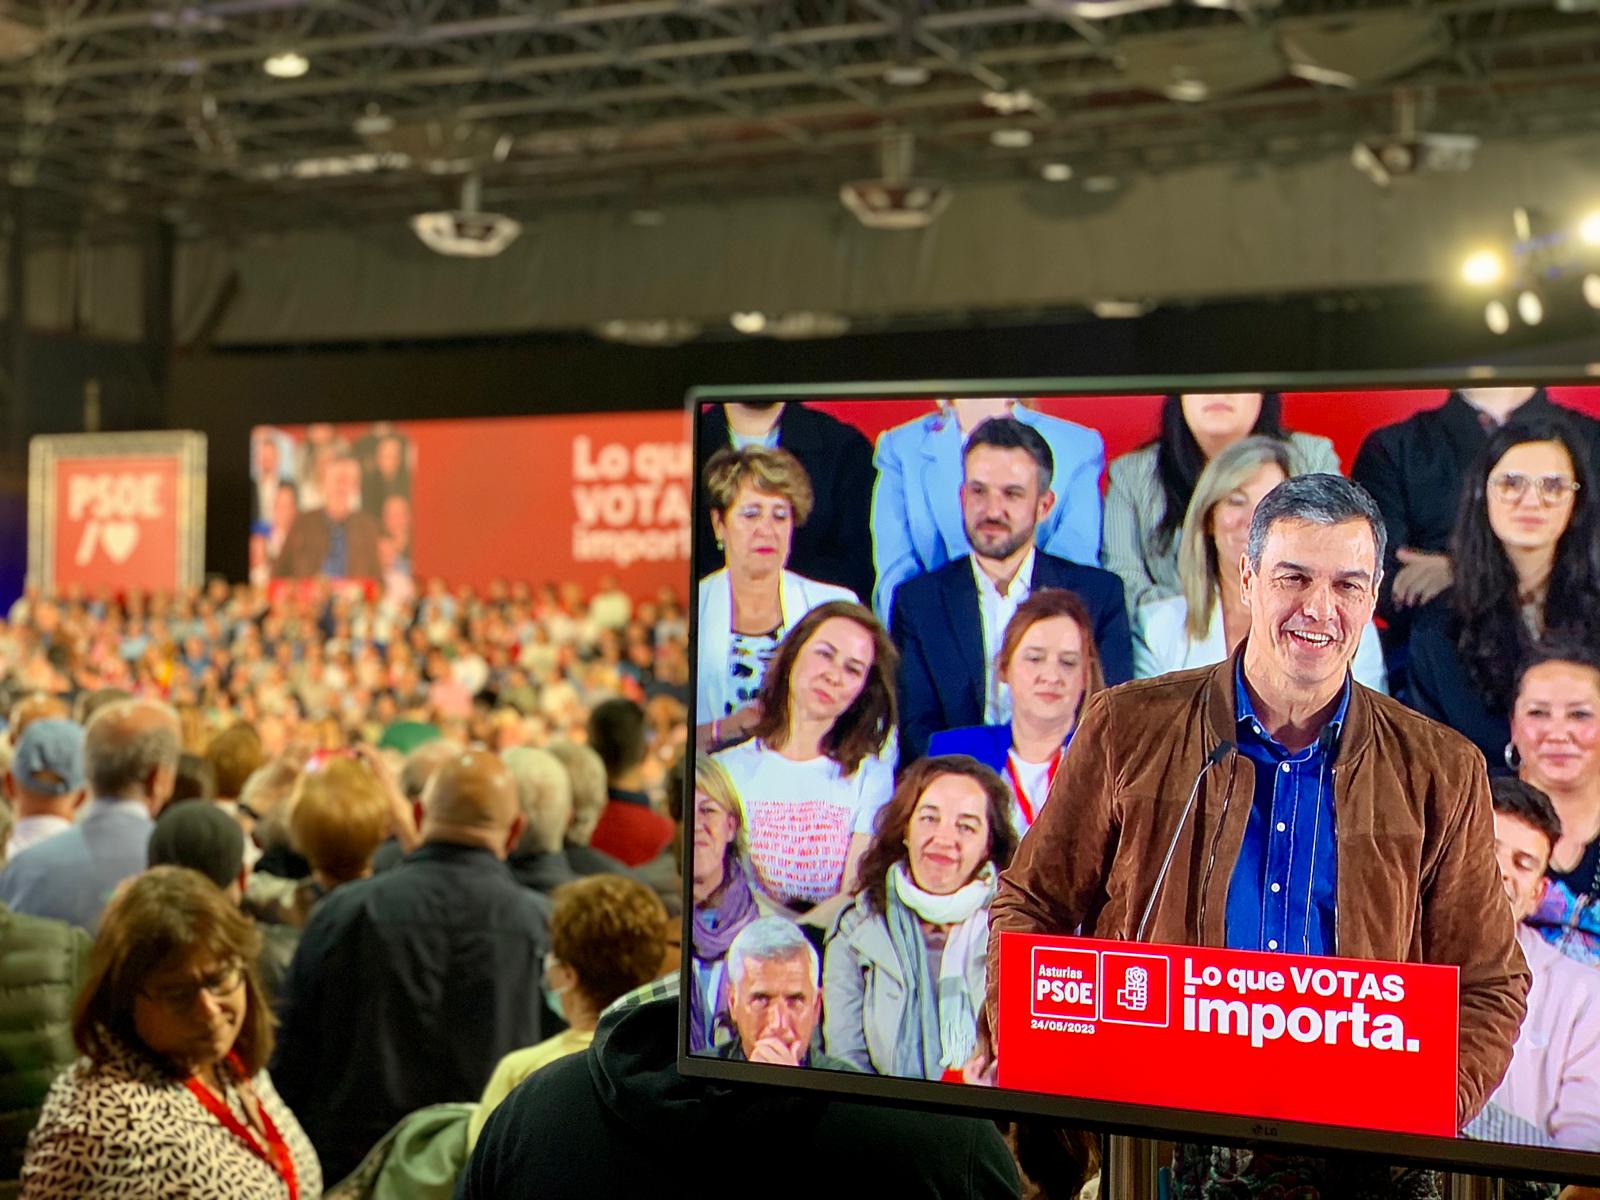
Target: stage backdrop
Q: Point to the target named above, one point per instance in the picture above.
(124, 511)
(571, 498)
(580, 498)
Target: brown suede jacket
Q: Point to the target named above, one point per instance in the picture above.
(1418, 881)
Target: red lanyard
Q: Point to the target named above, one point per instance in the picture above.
(276, 1152)
(1023, 802)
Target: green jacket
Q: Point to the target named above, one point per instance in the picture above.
(42, 965)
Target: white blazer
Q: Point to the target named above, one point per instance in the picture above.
(797, 596)
(1162, 644)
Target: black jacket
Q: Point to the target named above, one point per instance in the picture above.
(406, 990)
(619, 1120)
(1414, 470)
(835, 544)
(1438, 685)
(936, 626)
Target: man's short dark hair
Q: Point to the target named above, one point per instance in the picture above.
(1528, 803)
(1323, 500)
(1008, 433)
(616, 731)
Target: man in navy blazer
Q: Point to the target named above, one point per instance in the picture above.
(948, 623)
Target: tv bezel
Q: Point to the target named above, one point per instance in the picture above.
(1148, 1121)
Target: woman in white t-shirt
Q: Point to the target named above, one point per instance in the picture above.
(809, 778)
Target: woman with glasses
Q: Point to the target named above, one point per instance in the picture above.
(1526, 555)
(171, 1096)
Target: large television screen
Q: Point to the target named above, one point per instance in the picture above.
(1217, 758)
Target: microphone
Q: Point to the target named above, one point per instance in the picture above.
(1218, 753)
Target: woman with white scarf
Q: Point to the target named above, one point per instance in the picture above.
(904, 970)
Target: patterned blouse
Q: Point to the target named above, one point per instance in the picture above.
(748, 656)
(129, 1131)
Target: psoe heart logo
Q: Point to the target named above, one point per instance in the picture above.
(111, 504)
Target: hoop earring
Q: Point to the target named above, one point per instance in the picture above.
(1513, 757)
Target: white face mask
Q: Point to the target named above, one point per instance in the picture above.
(552, 996)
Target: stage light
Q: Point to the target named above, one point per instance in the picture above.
(1591, 290)
(1496, 317)
(1056, 172)
(749, 322)
(1530, 308)
(1483, 268)
(1589, 229)
(1011, 138)
(288, 65)
(906, 74)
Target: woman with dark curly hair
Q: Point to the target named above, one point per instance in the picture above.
(904, 972)
(1526, 555)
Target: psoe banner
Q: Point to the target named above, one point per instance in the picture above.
(124, 511)
(1331, 1041)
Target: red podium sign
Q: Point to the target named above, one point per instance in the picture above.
(1331, 1041)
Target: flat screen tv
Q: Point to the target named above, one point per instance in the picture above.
(998, 804)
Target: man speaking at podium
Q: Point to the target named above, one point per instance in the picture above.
(1272, 803)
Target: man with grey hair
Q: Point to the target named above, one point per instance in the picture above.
(131, 759)
(774, 996)
(1272, 803)
(544, 792)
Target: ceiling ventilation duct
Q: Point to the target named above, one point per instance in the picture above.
(1199, 66)
(1359, 52)
(896, 200)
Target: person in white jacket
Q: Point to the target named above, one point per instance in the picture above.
(758, 498)
(1209, 617)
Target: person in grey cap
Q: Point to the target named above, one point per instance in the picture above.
(45, 784)
(199, 835)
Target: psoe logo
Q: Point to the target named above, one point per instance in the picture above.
(1066, 983)
(1134, 988)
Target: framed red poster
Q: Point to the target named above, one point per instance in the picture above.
(125, 511)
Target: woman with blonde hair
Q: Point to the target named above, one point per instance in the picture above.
(1208, 619)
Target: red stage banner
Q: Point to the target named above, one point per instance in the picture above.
(124, 511)
(1286, 1037)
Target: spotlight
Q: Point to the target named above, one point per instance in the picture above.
(1483, 268)
(1011, 138)
(1056, 172)
(1530, 308)
(288, 65)
(748, 322)
(1496, 317)
(1591, 290)
(1589, 229)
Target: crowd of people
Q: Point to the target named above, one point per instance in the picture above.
(317, 891)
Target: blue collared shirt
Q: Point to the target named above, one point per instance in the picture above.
(1285, 883)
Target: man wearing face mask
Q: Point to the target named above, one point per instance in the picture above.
(407, 988)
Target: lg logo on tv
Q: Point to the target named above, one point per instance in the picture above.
(1092, 985)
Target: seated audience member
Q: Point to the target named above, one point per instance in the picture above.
(904, 975)
(45, 783)
(1048, 660)
(948, 624)
(587, 774)
(195, 780)
(758, 498)
(918, 521)
(1149, 489)
(89, 703)
(1525, 568)
(1414, 470)
(835, 543)
(43, 964)
(1555, 747)
(596, 1124)
(606, 938)
(1210, 616)
(1553, 1082)
(420, 764)
(407, 988)
(36, 706)
(544, 792)
(724, 900)
(200, 836)
(131, 759)
(810, 779)
(775, 997)
(629, 829)
(337, 540)
(172, 1097)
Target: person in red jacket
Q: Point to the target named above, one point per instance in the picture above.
(629, 829)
